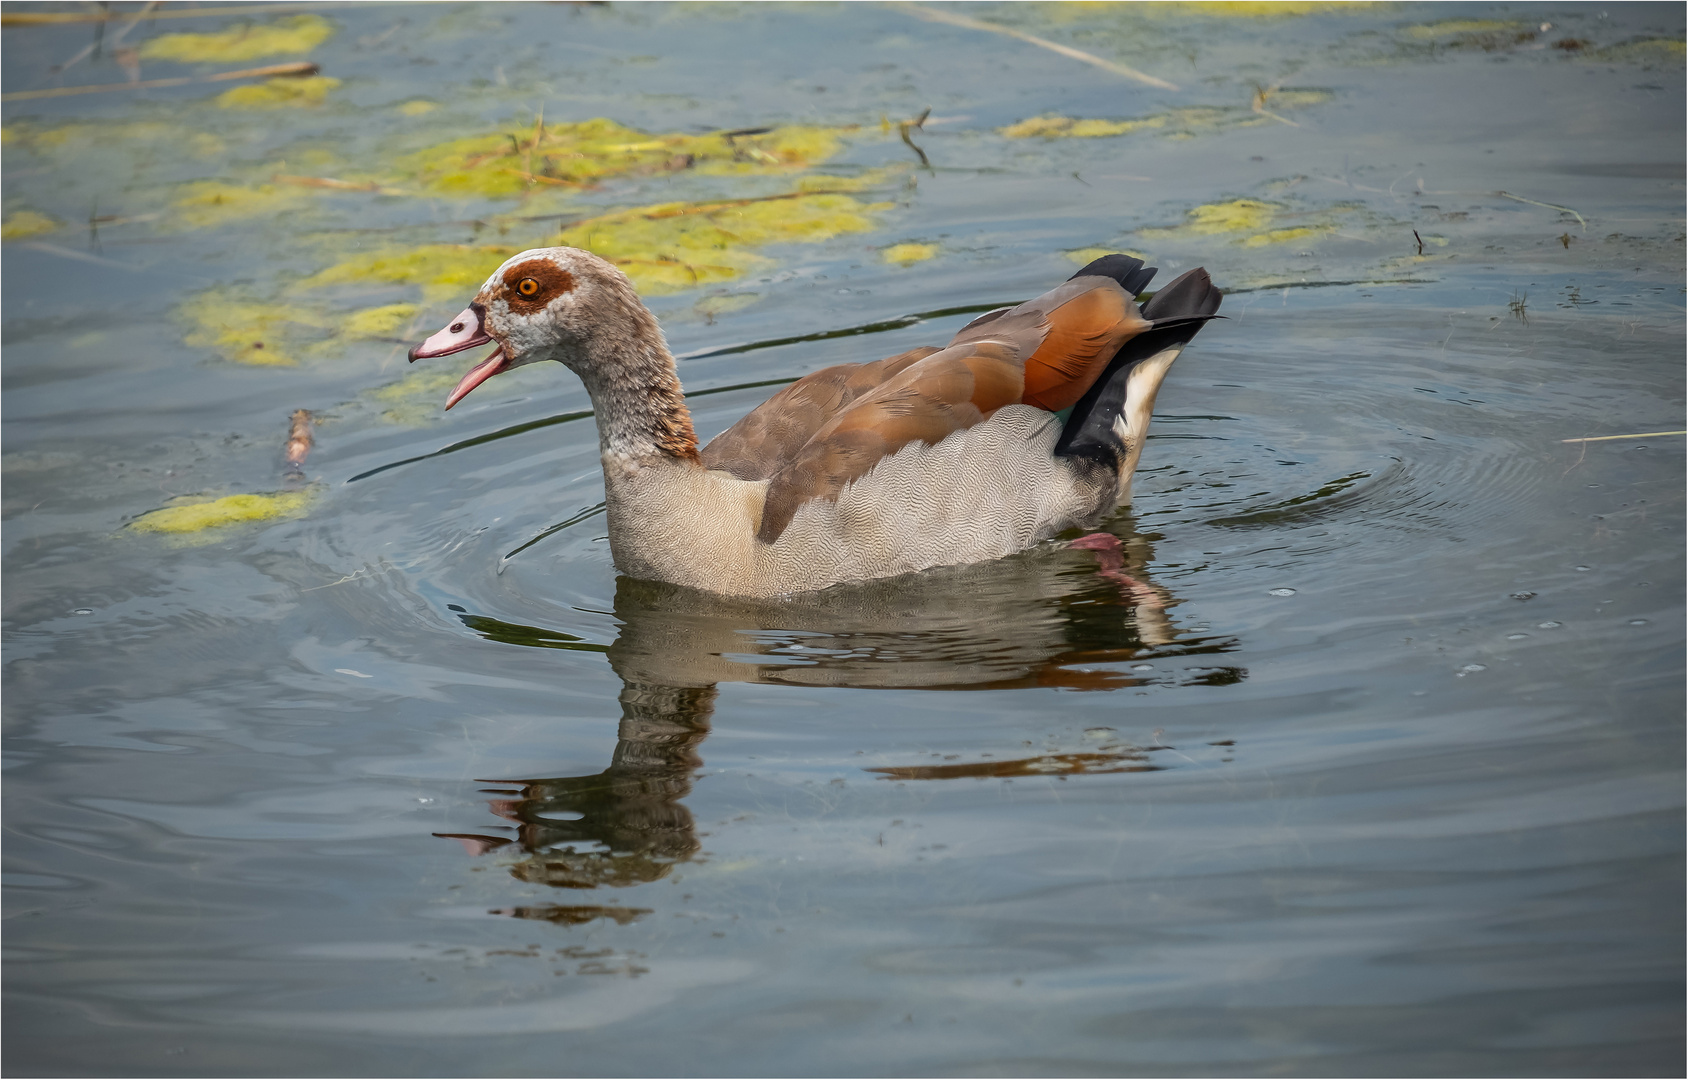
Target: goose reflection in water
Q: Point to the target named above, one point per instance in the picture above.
(1079, 616)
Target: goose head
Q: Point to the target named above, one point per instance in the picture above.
(556, 303)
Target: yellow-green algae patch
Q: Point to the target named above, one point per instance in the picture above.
(905, 254)
(1284, 236)
(1250, 221)
(1175, 123)
(1067, 127)
(674, 246)
(1213, 219)
(442, 270)
(663, 248)
(26, 223)
(418, 397)
(711, 307)
(418, 107)
(381, 321)
(206, 204)
(102, 136)
(580, 153)
(290, 36)
(1455, 27)
(1647, 52)
(279, 94)
(192, 517)
(245, 331)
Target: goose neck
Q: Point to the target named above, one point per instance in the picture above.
(635, 390)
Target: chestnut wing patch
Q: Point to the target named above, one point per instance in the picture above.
(771, 435)
(1081, 324)
(928, 400)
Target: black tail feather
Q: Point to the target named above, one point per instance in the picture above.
(1132, 275)
(1178, 312)
(1191, 293)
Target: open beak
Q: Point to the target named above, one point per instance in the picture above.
(465, 332)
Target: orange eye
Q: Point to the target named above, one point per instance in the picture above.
(527, 287)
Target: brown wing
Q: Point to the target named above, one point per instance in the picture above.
(769, 437)
(1079, 326)
(1046, 352)
(940, 394)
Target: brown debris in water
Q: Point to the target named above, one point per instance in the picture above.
(299, 438)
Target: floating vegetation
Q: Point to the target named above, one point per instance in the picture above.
(1489, 35)
(663, 248)
(673, 246)
(383, 321)
(1066, 127)
(442, 270)
(711, 307)
(1284, 236)
(1176, 123)
(1648, 52)
(905, 254)
(1250, 220)
(105, 136)
(247, 331)
(26, 223)
(418, 107)
(205, 204)
(298, 34)
(1455, 27)
(415, 399)
(307, 92)
(1212, 219)
(197, 513)
(578, 154)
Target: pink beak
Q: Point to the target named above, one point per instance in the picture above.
(465, 332)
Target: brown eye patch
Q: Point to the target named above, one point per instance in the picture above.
(533, 284)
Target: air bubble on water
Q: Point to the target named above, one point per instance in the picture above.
(1583, 569)
(1280, 592)
(83, 611)
(1098, 734)
(1549, 625)
(1638, 622)
(1469, 668)
(1144, 667)
(1516, 637)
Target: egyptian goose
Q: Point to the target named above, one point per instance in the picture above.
(933, 457)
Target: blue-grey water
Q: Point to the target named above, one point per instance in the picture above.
(1365, 757)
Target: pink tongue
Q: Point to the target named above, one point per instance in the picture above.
(477, 375)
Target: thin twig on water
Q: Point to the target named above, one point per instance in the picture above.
(931, 14)
(1550, 206)
(296, 69)
(917, 123)
(1259, 104)
(1638, 435)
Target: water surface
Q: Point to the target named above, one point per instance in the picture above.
(1363, 757)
